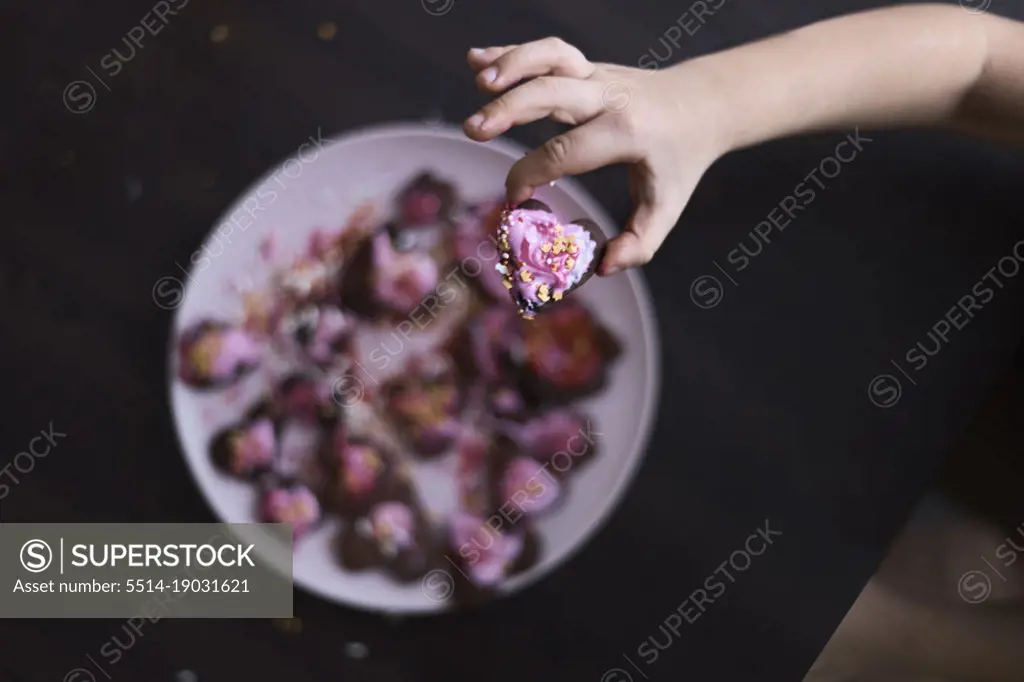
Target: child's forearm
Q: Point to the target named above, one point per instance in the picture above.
(923, 65)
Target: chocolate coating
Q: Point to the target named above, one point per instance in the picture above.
(360, 474)
(406, 550)
(248, 448)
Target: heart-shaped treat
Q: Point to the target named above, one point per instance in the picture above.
(542, 260)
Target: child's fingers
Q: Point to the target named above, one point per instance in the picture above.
(647, 229)
(551, 56)
(568, 100)
(588, 147)
(479, 57)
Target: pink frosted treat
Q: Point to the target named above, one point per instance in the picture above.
(247, 449)
(323, 333)
(474, 240)
(361, 474)
(527, 484)
(302, 398)
(216, 355)
(294, 504)
(401, 280)
(426, 200)
(487, 556)
(394, 527)
(541, 259)
(484, 346)
(564, 431)
(425, 402)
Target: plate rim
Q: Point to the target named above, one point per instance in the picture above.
(651, 340)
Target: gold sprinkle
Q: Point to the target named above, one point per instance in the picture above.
(542, 292)
(556, 266)
(557, 295)
(507, 283)
(558, 229)
(219, 33)
(573, 248)
(569, 262)
(326, 30)
(545, 247)
(525, 276)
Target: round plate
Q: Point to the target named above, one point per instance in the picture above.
(320, 186)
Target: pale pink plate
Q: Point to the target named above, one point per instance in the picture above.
(320, 187)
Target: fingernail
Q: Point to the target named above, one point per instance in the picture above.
(476, 121)
(489, 75)
(476, 51)
(611, 270)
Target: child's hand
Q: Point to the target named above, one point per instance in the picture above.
(623, 115)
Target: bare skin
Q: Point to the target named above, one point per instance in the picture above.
(907, 66)
(926, 66)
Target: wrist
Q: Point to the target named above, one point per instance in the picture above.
(702, 108)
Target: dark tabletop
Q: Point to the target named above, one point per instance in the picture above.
(765, 417)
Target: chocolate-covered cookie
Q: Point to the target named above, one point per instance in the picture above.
(424, 403)
(483, 557)
(303, 398)
(216, 355)
(322, 332)
(543, 260)
(565, 355)
(249, 448)
(288, 501)
(564, 438)
(474, 240)
(383, 282)
(394, 536)
(520, 484)
(360, 473)
(426, 200)
(487, 348)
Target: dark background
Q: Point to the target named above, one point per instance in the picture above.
(764, 408)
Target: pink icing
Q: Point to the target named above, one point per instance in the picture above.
(217, 354)
(507, 400)
(332, 325)
(562, 348)
(420, 208)
(428, 400)
(403, 279)
(487, 554)
(528, 231)
(255, 447)
(361, 465)
(394, 523)
(296, 506)
(530, 488)
(545, 436)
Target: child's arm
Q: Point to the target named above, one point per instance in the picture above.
(920, 65)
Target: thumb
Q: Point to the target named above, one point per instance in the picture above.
(647, 229)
